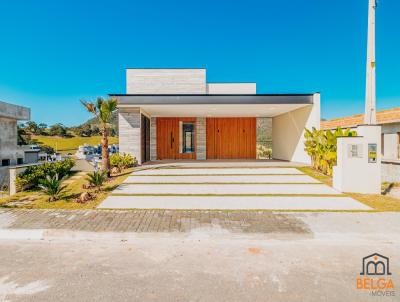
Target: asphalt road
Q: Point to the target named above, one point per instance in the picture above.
(212, 265)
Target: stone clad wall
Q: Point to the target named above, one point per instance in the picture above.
(153, 138)
(129, 132)
(201, 138)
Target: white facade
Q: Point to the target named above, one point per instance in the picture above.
(231, 88)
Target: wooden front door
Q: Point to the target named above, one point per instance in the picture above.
(169, 142)
(230, 138)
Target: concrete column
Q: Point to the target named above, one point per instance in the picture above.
(201, 138)
(129, 132)
(153, 138)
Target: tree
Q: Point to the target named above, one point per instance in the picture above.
(102, 110)
(85, 130)
(42, 128)
(58, 129)
(32, 127)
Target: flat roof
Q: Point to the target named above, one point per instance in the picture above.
(15, 112)
(199, 99)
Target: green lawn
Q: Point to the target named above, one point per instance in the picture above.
(71, 144)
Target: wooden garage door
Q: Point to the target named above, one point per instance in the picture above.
(231, 138)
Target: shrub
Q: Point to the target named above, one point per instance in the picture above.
(31, 177)
(264, 152)
(97, 178)
(122, 161)
(52, 187)
(321, 146)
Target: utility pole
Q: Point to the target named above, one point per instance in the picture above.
(370, 95)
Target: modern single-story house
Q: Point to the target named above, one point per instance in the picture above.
(172, 114)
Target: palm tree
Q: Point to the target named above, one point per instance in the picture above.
(102, 110)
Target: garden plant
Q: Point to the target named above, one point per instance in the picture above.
(97, 178)
(321, 146)
(52, 186)
(123, 161)
(32, 176)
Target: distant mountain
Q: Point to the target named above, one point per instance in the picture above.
(93, 123)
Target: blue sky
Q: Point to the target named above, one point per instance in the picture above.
(53, 53)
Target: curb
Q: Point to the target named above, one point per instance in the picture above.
(197, 234)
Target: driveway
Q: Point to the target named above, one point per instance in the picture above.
(226, 187)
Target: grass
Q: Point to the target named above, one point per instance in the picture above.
(231, 195)
(379, 203)
(70, 144)
(37, 200)
(222, 183)
(188, 175)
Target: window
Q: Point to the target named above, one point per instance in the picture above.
(398, 145)
(5, 162)
(20, 161)
(188, 138)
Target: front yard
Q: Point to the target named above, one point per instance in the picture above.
(35, 199)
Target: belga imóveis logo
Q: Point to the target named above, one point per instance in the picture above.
(376, 276)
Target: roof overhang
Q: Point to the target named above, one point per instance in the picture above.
(265, 105)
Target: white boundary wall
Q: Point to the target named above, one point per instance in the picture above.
(355, 173)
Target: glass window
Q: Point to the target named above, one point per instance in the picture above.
(5, 162)
(188, 138)
(20, 161)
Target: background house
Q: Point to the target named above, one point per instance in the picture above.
(389, 120)
(10, 153)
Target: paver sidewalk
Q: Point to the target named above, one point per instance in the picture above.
(150, 221)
